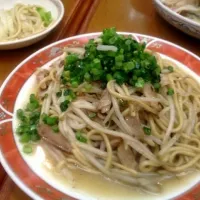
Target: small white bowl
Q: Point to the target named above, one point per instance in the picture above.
(54, 6)
(186, 25)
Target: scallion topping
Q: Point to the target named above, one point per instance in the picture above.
(27, 149)
(170, 91)
(80, 137)
(170, 68)
(28, 121)
(128, 64)
(92, 115)
(51, 121)
(147, 130)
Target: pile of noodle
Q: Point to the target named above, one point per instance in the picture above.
(172, 148)
(19, 22)
(187, 8)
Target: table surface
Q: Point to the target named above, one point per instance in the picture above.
(91, 16)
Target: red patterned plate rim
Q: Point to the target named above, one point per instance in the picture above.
(10, 157)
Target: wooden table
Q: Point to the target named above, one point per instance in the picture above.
(83, 16)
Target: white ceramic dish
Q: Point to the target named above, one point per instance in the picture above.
(28, 172)
(182, 23)
(54, 6)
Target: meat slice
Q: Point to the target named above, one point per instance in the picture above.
(40, 75)
(105, 102)
(148, 91)
(135, 125)
(126, 156)
(56, 139)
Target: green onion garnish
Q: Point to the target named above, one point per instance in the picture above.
(27, 149)
(25, 138)
(51, 121)
(92, 115)
(140, 83)
(59, 94)
(170, 91)
(80, 137)
(129, 64)
(28, 121)
(55, 128)
(170, 68)
(147, 130)
(64, 105)
(45, 16)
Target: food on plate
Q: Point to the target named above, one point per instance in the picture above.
(115, 108)
(22, 21)
(186, 8)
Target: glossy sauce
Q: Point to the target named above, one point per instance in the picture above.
(101, 188)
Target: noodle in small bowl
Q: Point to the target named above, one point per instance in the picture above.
(91, 161)
(25, 22)
(187, 25)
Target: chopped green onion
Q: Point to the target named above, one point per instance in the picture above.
(109, 77)
(29, 119)
(45, 16)
(25, 138)
(87, 87)
(147, 130)
(72, 94)
(74, 84)
(33, 99)
(51, 121)
(87, 76)
(80, 137)
(119, 58)
(170, 68)
(27, 149)
(170, 91)
(20, 115)
(140, 83)
(129, 64)
(59, 94)
(68, 98)
(120, 77)
(66, 92)
(92, 115)
(71, 59)
(55, 128)
(64, 105)
(66, 75)
(157, 86)
(35, 137)
(33, 103)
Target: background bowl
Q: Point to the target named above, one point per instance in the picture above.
(54, 6)
(182, 23)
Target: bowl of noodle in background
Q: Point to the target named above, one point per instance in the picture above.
(182, 14)
(52, 173)
(25, 22)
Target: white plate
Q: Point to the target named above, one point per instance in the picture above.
(28, 171)
(54, 6)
